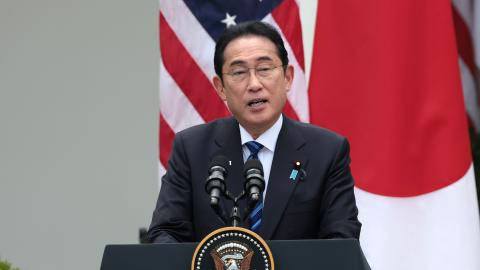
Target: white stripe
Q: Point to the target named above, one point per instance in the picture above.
(308, 14)
(177, 110)
(470, 94)
(476, 36)
(190, 33)
(467, 12)
(464, 9)
(470, 12)
(297, 96)
(438, 230)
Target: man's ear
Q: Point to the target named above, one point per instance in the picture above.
(289, 77)
(218, 83)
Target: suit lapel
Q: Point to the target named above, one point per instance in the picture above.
(289, 148)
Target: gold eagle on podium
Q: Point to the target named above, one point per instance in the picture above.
(232, 256)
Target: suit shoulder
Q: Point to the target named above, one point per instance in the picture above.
(206, 129)
(314, 132)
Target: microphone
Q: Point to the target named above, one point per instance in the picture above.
(215, 184)
(254, 181)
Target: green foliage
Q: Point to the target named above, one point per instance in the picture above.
(4, 265)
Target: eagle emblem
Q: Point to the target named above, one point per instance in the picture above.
(232, 256)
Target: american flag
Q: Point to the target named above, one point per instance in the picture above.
(466, 17)
(188, 32)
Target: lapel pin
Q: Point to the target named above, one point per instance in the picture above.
(230, 162)
(296, 166)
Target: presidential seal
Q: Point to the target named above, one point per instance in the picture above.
(232, 248)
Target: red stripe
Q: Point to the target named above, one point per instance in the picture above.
(464, 41)
(189, 76)
(470, 122)
(289, 111)
(287, 17)
(165, 141)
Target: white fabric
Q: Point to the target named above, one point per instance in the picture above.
(438, 230)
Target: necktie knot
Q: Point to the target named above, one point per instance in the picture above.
(254, 148)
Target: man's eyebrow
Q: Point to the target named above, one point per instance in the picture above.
(259, 59)
(264, 58)
(237, 62)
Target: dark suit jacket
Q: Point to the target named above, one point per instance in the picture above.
(319, 205)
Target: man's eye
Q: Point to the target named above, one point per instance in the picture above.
(239, 72)
(263, 69)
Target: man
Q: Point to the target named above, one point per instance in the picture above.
(253, 77)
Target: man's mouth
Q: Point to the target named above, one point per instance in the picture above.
(256, 102)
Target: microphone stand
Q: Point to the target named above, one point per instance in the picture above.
(235, 216)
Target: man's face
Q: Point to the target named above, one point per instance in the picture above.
(255, 84)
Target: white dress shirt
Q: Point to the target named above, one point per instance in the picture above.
(269, 140)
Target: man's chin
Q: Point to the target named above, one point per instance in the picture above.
(259, 123)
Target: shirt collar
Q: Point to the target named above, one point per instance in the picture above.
(268, 139)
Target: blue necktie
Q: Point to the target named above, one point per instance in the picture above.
(254, 148)
(255, 216)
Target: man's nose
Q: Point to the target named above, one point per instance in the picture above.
(254, 83)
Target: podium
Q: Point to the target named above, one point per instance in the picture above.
(338, 254)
